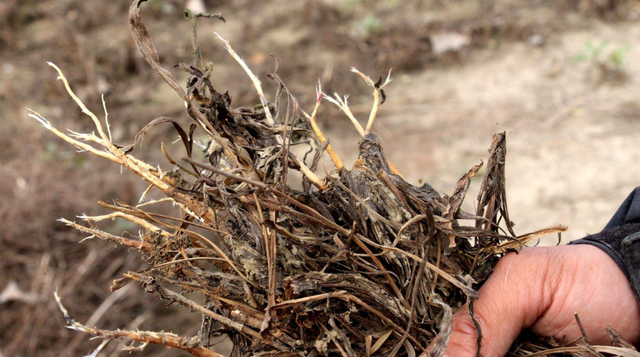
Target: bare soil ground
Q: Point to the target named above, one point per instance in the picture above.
(462, 70)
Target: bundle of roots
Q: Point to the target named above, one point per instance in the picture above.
(353, 262)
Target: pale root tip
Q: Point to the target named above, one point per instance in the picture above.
(35, 115)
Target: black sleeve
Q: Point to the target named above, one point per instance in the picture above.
(621, 239)
(628, 212)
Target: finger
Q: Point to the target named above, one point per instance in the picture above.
(510, 300)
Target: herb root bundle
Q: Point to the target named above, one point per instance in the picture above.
(354, 262)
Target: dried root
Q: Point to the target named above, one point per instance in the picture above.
(144, 338)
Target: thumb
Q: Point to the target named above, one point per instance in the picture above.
(510, 300)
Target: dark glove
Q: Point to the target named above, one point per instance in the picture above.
(620, 239)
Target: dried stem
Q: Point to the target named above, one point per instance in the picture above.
(166, 339)
(343, 104)
(581, 349)
(108, 237)
(313, 178)
(256, 82)
(516, 244)
(157, 290)
(378, 96)
(149, 174)
(314, 125)
(139, 221)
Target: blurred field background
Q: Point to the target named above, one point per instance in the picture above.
(560, 77)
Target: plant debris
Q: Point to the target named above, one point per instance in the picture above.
(355, 262)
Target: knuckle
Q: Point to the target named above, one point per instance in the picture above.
(463, 342)
(463, 325)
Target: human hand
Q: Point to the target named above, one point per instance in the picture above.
(540, 289)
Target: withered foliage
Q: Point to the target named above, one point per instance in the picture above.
(358, 262)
